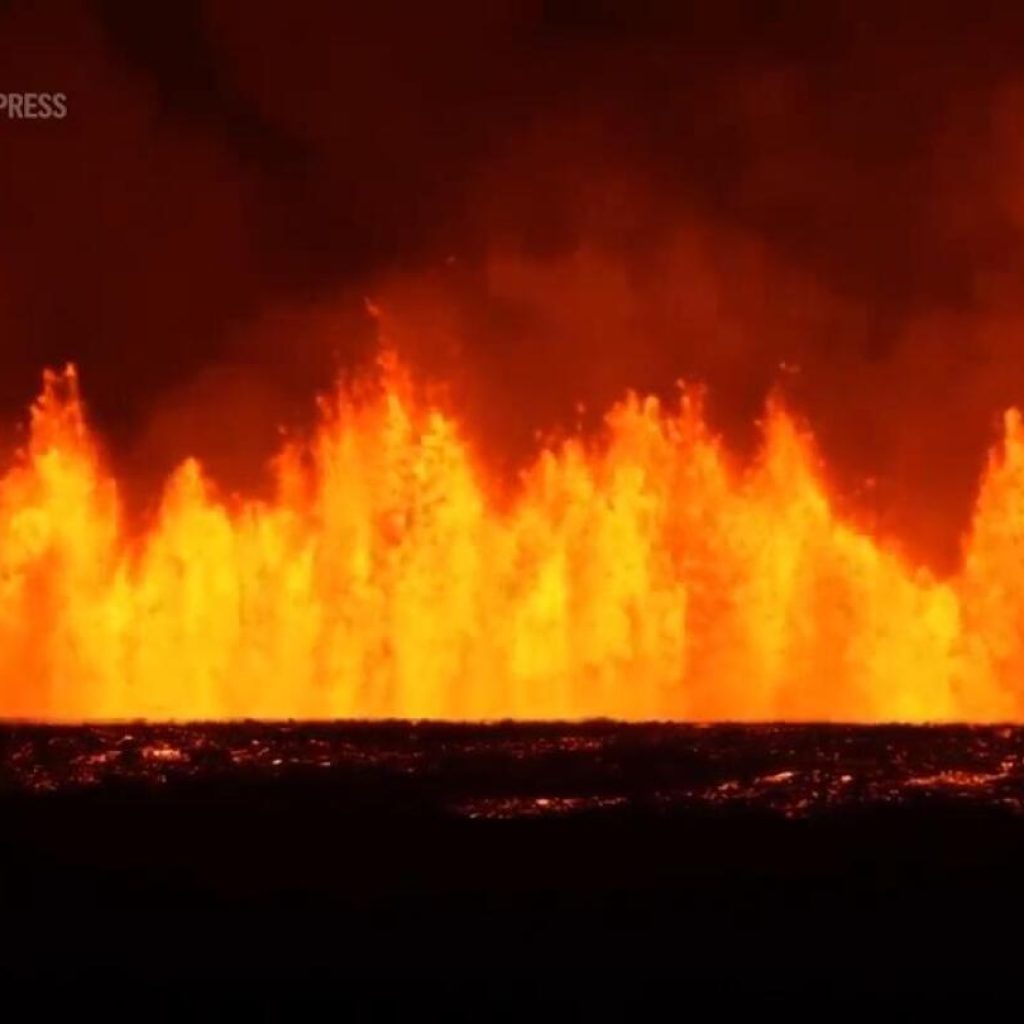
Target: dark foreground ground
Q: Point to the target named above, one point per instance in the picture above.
(751, 859)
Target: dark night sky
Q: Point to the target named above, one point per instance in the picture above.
(551, 202)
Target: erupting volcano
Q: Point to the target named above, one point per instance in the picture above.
(646, 573)
(520, 493)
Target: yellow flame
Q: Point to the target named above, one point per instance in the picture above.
(643, 575)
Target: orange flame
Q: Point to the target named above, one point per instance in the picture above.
(644, 575)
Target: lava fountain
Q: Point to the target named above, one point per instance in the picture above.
(644, 574)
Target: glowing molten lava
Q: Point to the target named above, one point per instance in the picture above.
(644, 575)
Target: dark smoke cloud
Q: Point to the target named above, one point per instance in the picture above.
(550, 201)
